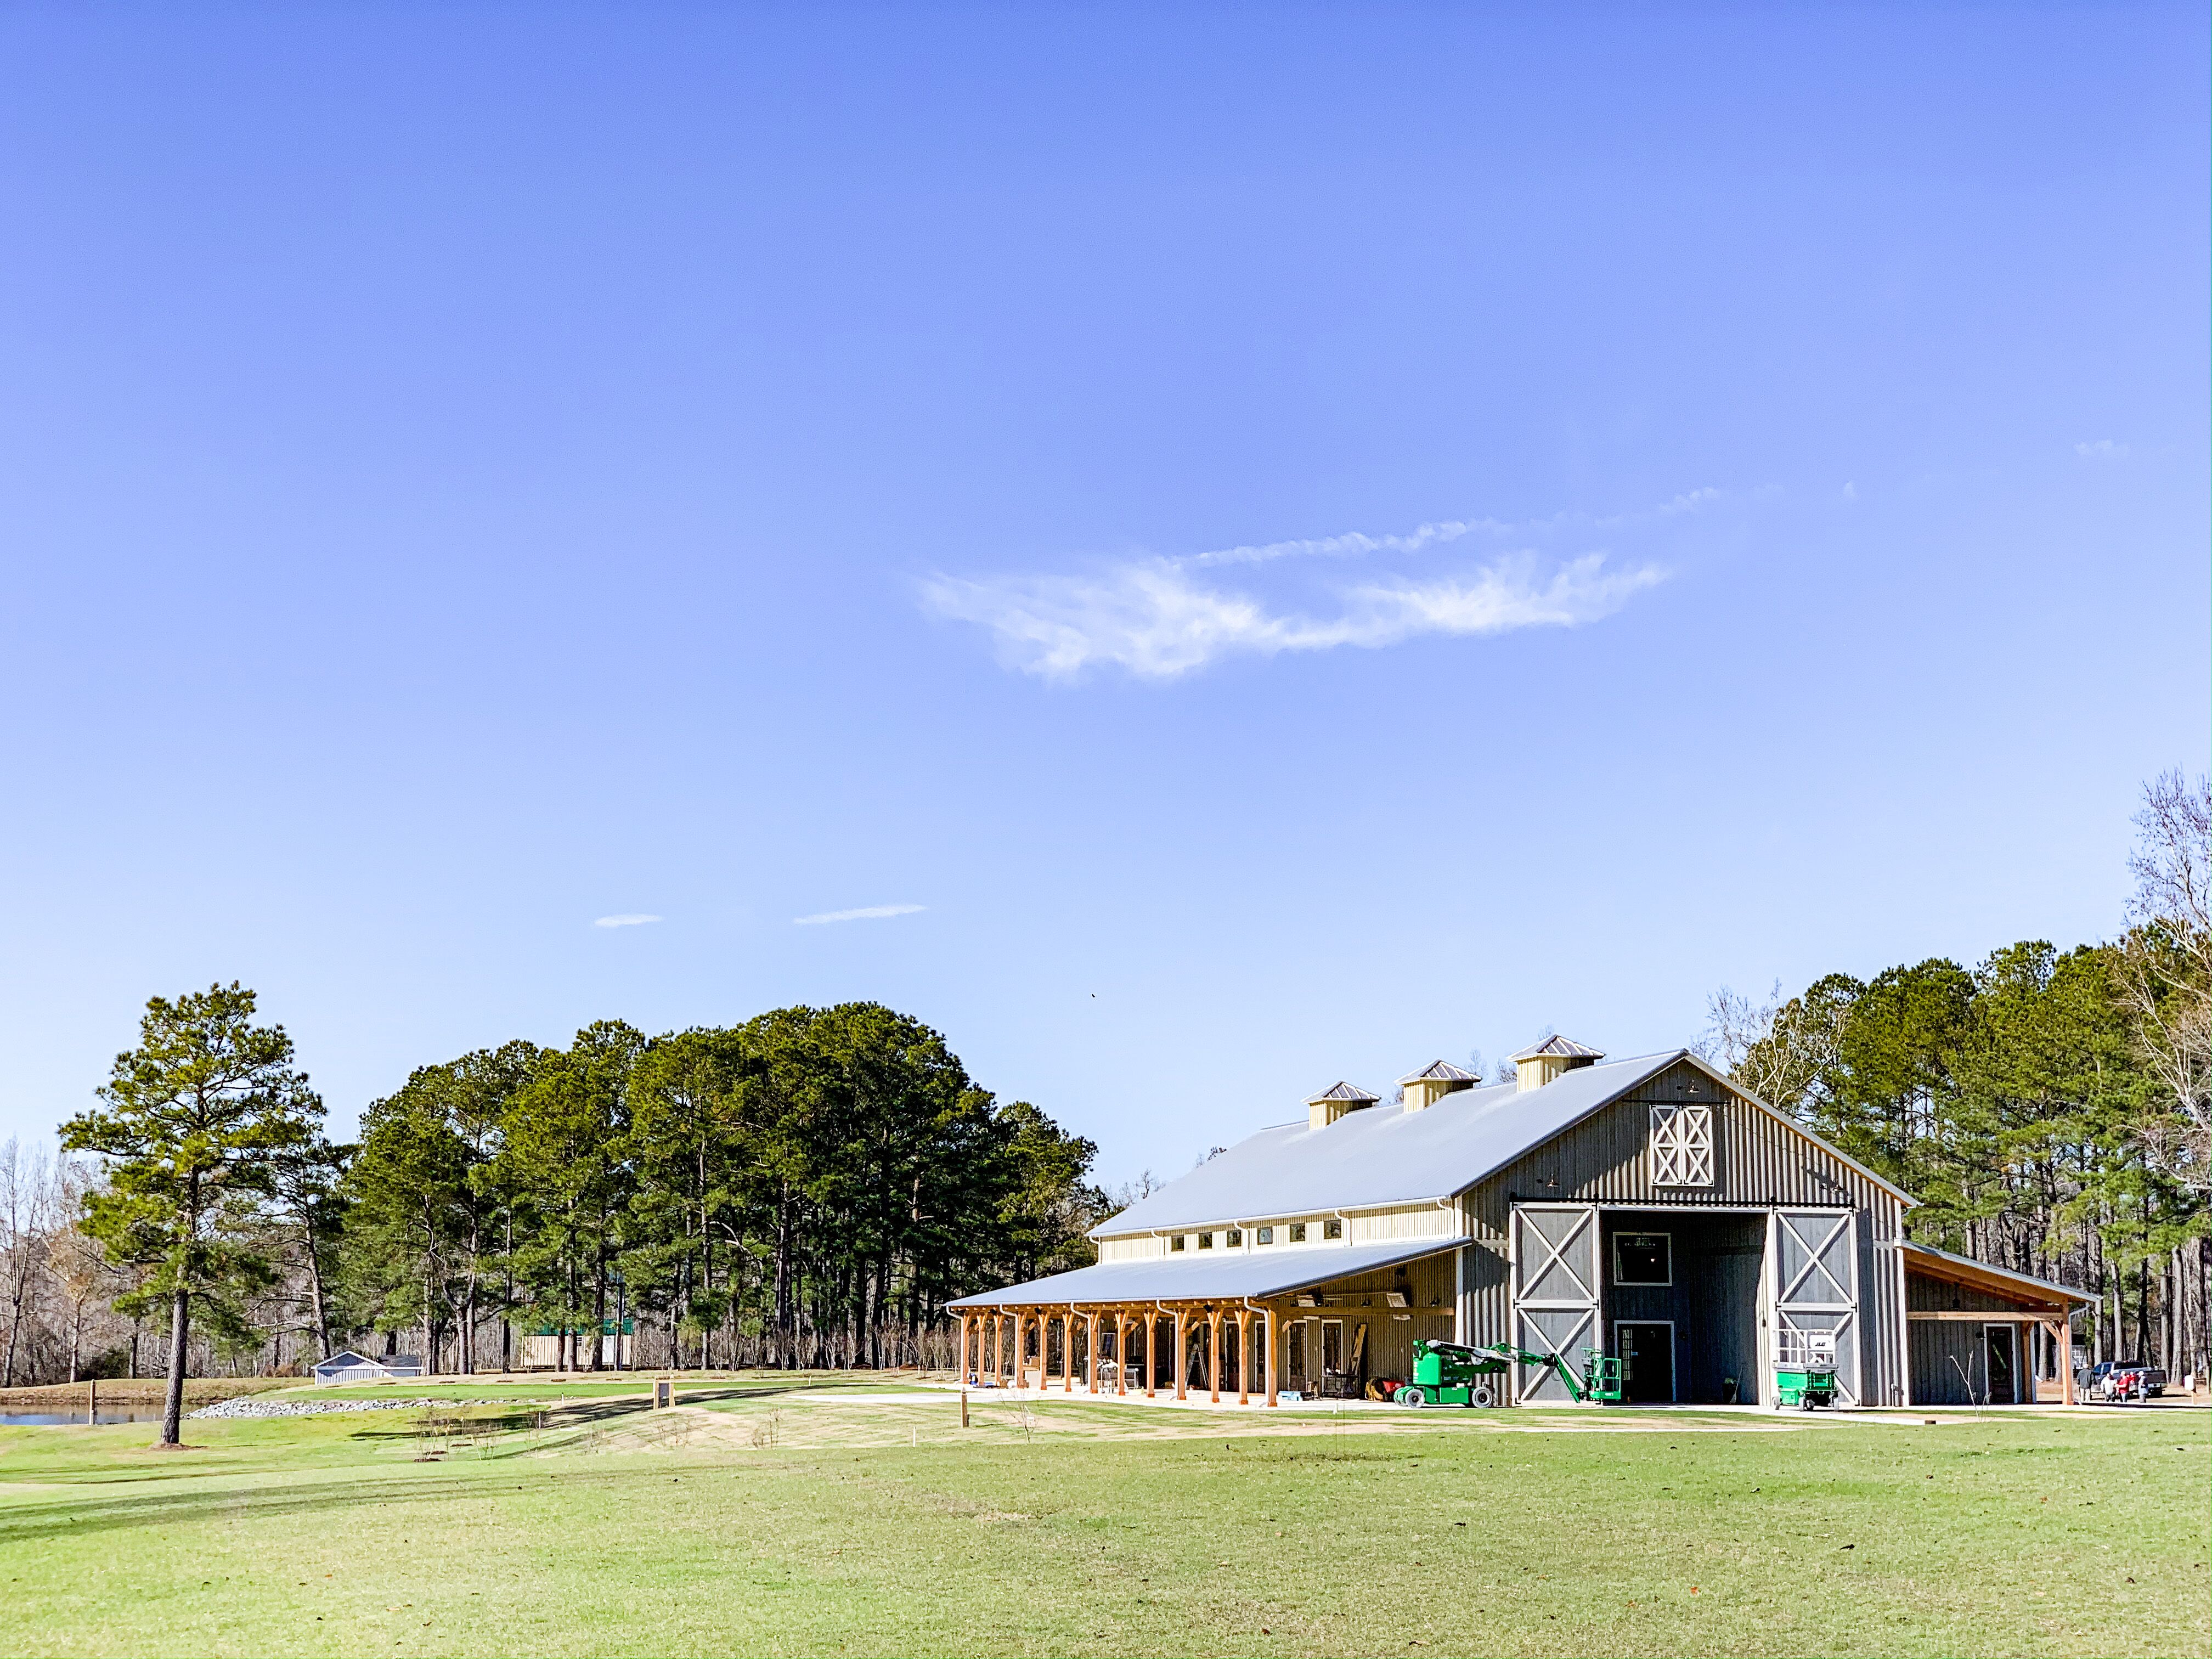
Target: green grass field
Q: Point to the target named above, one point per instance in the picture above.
(820, 1518)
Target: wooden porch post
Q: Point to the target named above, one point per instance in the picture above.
(1213, 1352)
(1090, 1349)
(2066, 1356)
(1067, 1352)
(1121, 1351)
(964, 1348)
(1274, 1337)
(1182, 1359)
(1243, 1357)
(1151, 1352)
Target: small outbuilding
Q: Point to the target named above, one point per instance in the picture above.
(350, 1367)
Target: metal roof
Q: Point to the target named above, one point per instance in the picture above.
(1210, 1276)
(1371, 1160)
(1440, 1071)
(2063, 1291)
(1566, 1047)
(1343, 1091)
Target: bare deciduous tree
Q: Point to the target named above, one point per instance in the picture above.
(2169, 970)
(26, 1198)
(1775, 1049)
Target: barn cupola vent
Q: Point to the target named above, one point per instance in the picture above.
(1533, 1067)
(1439, 1078)
(1330, 1104)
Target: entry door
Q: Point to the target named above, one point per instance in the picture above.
(1555, 1293)
(1999, 1367)
(1646, 1348)
(1814, 1259)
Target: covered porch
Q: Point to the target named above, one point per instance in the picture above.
(1242, 1329)
(1977, 1334)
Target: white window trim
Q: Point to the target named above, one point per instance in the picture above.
(1620, 1278)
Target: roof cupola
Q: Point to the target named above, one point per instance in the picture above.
(1439, 1078)
(1533, 1067)
(1332, 1103)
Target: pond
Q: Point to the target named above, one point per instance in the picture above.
(45, 1420)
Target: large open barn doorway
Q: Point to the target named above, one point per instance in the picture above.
(1681, 1304)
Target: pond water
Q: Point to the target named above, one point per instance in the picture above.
(42, 1420)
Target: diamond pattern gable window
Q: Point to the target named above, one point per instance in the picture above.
(1681, 1146)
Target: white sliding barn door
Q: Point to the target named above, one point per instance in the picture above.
(1812, 1258)
(1555, 1293)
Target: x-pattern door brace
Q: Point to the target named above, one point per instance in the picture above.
(1814, 1264)
(1556, 1256)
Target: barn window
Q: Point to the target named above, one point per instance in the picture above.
(1681, 1146)
(1643, 1259)
(1177, 1243)
(1267, 1235)
(1297, 1232)
(1205, 1241)
(1332, 1230)
(1234, 1238)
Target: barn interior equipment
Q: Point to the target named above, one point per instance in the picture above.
(1452, 1374)
(1805, 1369)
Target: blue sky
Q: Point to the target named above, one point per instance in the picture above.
(1202, 550)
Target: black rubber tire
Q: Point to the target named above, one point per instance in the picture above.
(1482, 1395)
(1410, 1397)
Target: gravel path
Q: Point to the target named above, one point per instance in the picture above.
(251, 1407)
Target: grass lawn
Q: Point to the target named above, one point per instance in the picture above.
(819, 1520)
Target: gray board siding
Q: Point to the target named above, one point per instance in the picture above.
(1381, 1157)
(1759, 1162)
(1950, 1365)
(1196, 1276)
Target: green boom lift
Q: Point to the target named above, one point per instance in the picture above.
(1453, 1374)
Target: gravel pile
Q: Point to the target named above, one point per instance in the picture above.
(247, 1406)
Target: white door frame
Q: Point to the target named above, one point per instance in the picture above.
(1673, 1358)
(2012, 1346)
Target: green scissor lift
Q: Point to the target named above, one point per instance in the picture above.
(1453, 1374)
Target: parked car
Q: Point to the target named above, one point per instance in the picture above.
(2123, 1379)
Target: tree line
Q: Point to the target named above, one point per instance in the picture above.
(808, 1189)
(2050, 1107)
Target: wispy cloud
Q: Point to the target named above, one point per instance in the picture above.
(1159, 618)
(626, 920)
(866, 913)
(2103, 450)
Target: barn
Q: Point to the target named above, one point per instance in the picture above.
(1644, 1208)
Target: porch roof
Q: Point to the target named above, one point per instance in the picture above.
(1209, 1276)
(1998, 1281)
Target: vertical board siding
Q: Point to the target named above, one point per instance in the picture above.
(1362, 1298)
(1422, 1221)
